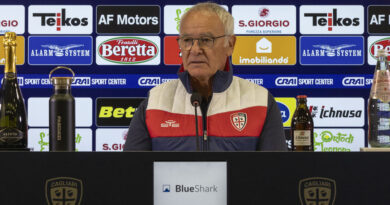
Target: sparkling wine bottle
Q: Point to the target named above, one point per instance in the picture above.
(13, 120)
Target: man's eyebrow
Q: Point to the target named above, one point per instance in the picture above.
(207, 34)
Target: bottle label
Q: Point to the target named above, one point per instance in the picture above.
(302, 137)
(10, 135)
(381, 86)
(384, 139)
(383, 106)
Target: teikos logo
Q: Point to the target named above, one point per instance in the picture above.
(332, 19)
(330, 112)
(331, 50)
(12, 19)
(265, 50)
(143, 50)
(374, 44)
(52, 50)
(378, 19)
(287, 107)
(128, 19)
(268, 20)
(64, 190)
(317, 190)
(57, 19)
(19, 50)
(116, 111)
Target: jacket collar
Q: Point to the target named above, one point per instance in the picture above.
(221, 80)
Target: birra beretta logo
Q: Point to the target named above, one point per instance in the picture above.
(332, 50)
(57, 19)
(378, 19)
(12, 19)
(269, 20)
(128, 50)
(374, 44)
(332, 19)
(64, 191)
(128, 19)
(317, 190)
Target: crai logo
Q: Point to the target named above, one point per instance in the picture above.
(325, 141)
(64, 191)
(317, 191)
(44, 141)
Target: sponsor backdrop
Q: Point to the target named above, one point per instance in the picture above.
(325, 50)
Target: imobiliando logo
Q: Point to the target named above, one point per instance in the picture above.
(265, 50)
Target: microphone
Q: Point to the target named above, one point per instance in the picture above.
(196, 100)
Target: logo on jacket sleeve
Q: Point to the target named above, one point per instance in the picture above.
(239, 120)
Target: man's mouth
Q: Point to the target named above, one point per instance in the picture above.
(197, 62)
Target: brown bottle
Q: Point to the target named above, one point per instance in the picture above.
(302, 127)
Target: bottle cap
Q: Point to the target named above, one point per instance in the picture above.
(61, 81)
(381, 53)
(301, 96)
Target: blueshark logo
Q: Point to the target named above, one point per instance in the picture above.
(52, 50)
(284, 111)
(323, 50)
(166, 188)
(286, 81)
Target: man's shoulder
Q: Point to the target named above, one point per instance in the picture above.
(171, 84)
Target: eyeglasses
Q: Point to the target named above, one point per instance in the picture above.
(186, 43)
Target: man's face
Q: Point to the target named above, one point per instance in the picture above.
(202, 63)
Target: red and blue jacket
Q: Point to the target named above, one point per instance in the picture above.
(241, 116)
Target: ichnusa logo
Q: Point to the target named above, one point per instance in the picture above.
(57, 19)
(332, 19)
(52, 50)
(331, 50)
(374, 44)
(128, 50)
(265, 50)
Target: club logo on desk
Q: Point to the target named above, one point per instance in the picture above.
(239, 120)
(64, 191)
(317, 190)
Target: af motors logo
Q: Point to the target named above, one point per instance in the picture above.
(374, 44)
(128, 19)
(64, 50)
(12, 18)
(19, 50)
(337, 112)
(331, 50)
(332, 19)
(378, 19)
(265, 50)
(266, 20)
(128, 50)
(287, 107)
(172, 17)
(57, 19)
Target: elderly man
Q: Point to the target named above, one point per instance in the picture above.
(235, 114)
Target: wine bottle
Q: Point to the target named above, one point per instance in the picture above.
(302, 127)
(62, 114)
(13, 119)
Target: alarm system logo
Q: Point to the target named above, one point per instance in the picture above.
(317, 190)
(64, 190)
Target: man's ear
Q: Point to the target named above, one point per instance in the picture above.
(231, 44)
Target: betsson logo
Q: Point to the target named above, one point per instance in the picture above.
(353, 81)
(60, 20)
(331, 20)
(286, 81)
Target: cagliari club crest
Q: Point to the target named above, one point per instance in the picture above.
(239, 120)
(317, 191)
(64, 191)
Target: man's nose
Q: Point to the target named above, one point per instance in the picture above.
(195, 48)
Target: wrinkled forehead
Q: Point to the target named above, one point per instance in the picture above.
(206, 22)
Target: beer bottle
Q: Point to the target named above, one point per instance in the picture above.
(302, 127)
(379, 104)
